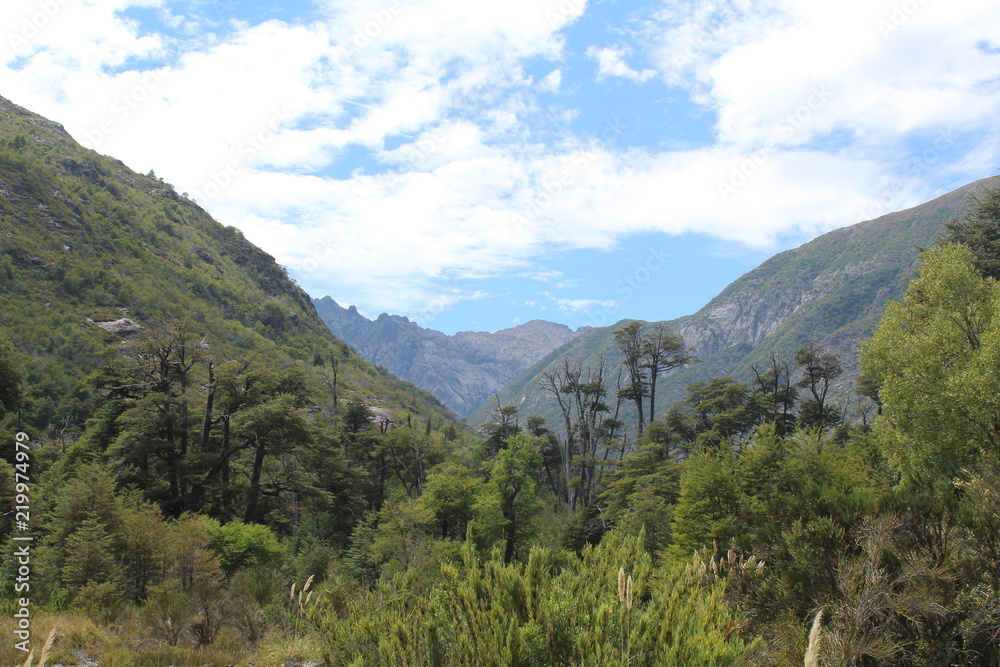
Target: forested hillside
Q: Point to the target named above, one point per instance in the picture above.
(209, 477)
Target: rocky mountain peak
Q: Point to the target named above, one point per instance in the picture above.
(463, 370)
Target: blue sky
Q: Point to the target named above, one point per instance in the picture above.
(477, 165)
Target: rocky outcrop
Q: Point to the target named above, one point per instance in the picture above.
(462, 370)
(752, 315)
(123, 327)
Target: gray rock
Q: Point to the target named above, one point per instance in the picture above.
(122, 327)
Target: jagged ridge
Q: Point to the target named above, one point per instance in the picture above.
(463, 370)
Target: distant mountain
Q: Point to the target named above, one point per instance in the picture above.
(93, 254)
(463, 370)
(830, 291)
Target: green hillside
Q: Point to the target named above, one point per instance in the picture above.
(153, 340)
(86, 241)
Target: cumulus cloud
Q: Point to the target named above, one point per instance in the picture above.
(888, 68)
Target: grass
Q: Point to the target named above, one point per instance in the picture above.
(126, 642)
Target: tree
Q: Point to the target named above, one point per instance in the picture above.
(509, 501)
(819, 369)
(84, 542)
(662, 351)
(587, 389)
(503, 427)
(773, 384)
(642, 493)
(710, 503)
(581, 394)
(358, 417)
(410, 455)
(720, 411)
(155, 428)
(550, 454)
(804, 496)
(191, 564)
(554, 383)
(90, 556)
(646, 356)
(145, 538)
(242, 397)
(935, 358)
(629, 341)
(449, 496)
(272, 430)
(979, 231)
(10, 378)
(241, 545)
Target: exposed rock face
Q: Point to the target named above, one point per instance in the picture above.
(463, 370)
(122, 327)
(830, 291)
(750, 316)
(80, 169)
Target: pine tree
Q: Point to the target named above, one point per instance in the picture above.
(979, 231)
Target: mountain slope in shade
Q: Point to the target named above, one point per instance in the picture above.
(830, 291)
(463, 370)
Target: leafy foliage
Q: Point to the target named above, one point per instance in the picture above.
(934, 357)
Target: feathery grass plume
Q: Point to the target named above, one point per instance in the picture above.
(46, 647)
(621, 584)
(812, 653)
(45, 651)
(628, 593)
(303, 605)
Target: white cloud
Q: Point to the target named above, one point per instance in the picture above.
(550, 82)
(758, 64)
(73, 37)
(584, 305)
(611, 64)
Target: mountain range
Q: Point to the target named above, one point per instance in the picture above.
(829, 292)
(463, 370)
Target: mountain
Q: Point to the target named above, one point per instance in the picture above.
(463, 370)
(830, 291)
(94, 255)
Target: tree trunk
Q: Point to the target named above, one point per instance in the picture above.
(253, 497)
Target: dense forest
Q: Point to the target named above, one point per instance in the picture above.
(216, 480)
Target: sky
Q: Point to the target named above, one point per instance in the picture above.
(475, 165)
